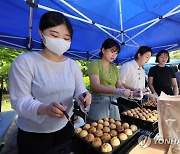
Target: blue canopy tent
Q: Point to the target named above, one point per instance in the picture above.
(132, 23)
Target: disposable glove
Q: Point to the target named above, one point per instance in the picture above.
(123, 92)
(138, 93)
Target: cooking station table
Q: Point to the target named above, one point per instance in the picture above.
(71, 147)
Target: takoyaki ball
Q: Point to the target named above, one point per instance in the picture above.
(83, 133)
(120, 128)
(106, 147)
(106, 119)
(100, 121)
(97, 142)
(78, 130)
(133, 128)
(154, 111)
(113, 133)
(92, 130)
(146, 116)
(130, 114)
(148, 110)
(150, 120)
(99, 126)
(106, 137)
(106, 123)
(122, 136)
(98, 133)
(132, 110)
(111, 121)
(128, 111)
(94, 124)
(139, 114)
(142, 117)
(136, 116)
(124, 113)
(128, 132)
(112, 126)
(125, 125)
(86, 126)
(89, 137)
(149, 114)
(117, 123)
(106, 129)
(115, 141)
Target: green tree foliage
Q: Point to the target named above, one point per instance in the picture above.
(175, 54)
(7, 56)
(83, 65)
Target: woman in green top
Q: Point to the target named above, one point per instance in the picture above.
(105, 83)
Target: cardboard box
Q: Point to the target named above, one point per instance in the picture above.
(153, 148)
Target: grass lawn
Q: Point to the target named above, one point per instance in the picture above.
(6, 105)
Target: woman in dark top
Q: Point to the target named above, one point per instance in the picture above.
(161, 77)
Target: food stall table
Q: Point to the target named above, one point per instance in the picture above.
(6, 119)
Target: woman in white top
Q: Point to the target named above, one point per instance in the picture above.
(43, 85)
(132, 76)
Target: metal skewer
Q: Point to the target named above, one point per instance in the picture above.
(67, 116)
(85, 113)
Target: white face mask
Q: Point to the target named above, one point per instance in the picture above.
(56, 45)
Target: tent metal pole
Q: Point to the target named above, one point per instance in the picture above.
(132, 45)
(30, 27)
(142, 30)
(76, 55)
(163, 46)
(12, 37)
(172, 13)
(127, 59)
(16, 45)
(131, 39)
(159, 19)
(70, 6)
(121, 21)
(32, 4)
(89, 20)
(77, 18)
(172, 47)
(173, 10)
(148, 22)
(67, 15)
(109, 34)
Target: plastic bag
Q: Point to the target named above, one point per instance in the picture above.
(169, 120)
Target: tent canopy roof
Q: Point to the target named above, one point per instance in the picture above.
(132, 23)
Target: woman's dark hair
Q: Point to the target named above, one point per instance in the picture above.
(160, 53)
(109, 43)
(142, 50)
(179, 67)
(52, 19)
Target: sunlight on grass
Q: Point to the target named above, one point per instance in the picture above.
(6, 105)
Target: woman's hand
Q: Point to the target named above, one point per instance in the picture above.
(138, 93)
(123, 92)
(55, 110)
(85, 98)
(153, 97)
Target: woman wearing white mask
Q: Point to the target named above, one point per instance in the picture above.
(43, 85)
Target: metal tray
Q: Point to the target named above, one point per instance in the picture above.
(151, 126)
(84, 147)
